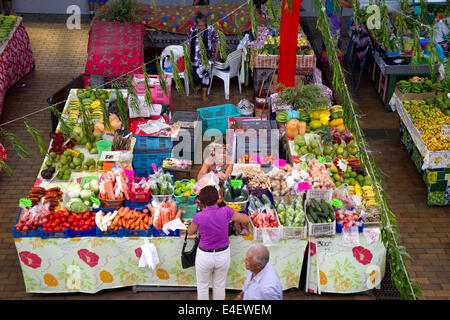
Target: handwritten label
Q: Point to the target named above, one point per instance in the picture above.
(303, 186)
(280, 163)
(236, 183)
(321, 159)
(24, 202)
(95, 200)
(445, 131)
(304, 166)
(336, 203)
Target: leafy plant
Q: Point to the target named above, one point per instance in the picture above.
(121, 10)
(308, 98)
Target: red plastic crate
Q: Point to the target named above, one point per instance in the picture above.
(138, 196)
(134, 122)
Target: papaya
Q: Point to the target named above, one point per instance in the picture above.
(315, 124)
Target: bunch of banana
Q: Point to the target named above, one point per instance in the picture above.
(369, 196)
(417, 79)
(73, 109)
(96, 110)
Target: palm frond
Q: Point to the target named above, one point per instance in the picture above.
(36, 136)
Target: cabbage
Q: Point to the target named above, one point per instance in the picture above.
(87, 186)
(95, 206)
(94, 186)
(74, 191)
(78, 206)
(87, 202)
(86, 194)
(73, 200)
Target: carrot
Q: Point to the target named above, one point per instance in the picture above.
(146, 218)
(152, 210)
(120, 222)
(124, 211)
(150, 221)
(173, 210)
(178, 215)
(124, 187)
(116, 219)
(118, 212)
(145, 211)
(146, 227)
(141, 225)
(109, 190)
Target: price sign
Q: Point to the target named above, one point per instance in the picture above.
(445, 131)
(321, 159)
(303, 186)
(236, 183)
(336, 203)
(24, 202)
(95, 200)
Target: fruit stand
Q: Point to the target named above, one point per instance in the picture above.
(432, 165)
(16, 57)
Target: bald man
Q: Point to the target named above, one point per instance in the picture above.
(262, 282)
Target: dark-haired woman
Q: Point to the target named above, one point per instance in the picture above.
(213, 253)
(210, 39)
(200, 3)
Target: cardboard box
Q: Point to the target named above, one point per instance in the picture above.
(299, 81)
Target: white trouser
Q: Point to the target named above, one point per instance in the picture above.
(216, 263)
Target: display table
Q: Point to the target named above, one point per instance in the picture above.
(92, 264)
(16, 59)
(114, 49)
(433, 166)
(346, 264)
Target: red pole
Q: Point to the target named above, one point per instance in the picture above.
(288, 43)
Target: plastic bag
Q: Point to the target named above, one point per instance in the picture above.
(209, 179)
(343, 194)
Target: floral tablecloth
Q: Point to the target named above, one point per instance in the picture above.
(348, 263)
(115, 48)
(16, 59)
(92, 264)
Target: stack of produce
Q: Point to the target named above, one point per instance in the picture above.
(140, 185)
(337, 114)
(32, 218)
(6, 25)
(443, 103)
(429, 119)
(59, 145)
(319, 211)
(318, 176)
(371, 214)
(163, 213)
(51, 196)
(124, 217)
(235, 193)
(69, 160)
(291, 214)
(257, 179)
(184, 188)
(279, 178)
(416, 85)
(63, 219)
(80, 197)
(114, 186)
(262, 212)
(73, 110)
(347, 217)
(369, 196)
(162, 184)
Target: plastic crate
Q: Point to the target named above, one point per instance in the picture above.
(145, 144)
(319, 229)
(216, 117)
(138, 196)
(273, 233)
(327, 195)
(144, 173)
(82, 233)
(160, 233)
(255, 124)
(162, 198)
(145, 160)
(184, 199)
(187, 210)
(186, 118)
(137, 233)
(139, 206)
(109, 233)
(25, 234)
(54, 234)
(295, 232)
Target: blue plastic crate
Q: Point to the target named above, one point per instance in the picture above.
(145, 144)
(143, 173)
(137, 233)
(216, 117)
(82, 233)
(145, 160)
(54, 234)
(109, 233)
(160, 233)
(136, 205)
(25, 234)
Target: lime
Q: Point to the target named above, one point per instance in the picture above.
(336, 177)
(352, 181)
(333, 169)
(94, 150)
(92, 168)
(353, 174)
(48, 163)
(346, 175)
(337, 183)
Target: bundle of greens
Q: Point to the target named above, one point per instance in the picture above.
(308, 98)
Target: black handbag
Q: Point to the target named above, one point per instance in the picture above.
(188, 257)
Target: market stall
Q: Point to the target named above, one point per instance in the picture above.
(114, 49)
(16, 57)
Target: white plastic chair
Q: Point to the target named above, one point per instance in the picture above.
(233, 62)
(177, 53)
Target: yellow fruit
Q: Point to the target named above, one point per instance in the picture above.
(336, 122)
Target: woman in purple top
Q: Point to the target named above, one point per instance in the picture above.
(213, 253)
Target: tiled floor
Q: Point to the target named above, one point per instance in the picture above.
(60, 55)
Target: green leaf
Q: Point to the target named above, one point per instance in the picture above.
(188, 65)
(36, 136)
(5, 167)
(176, 76)
(162, 81)
(19, 147)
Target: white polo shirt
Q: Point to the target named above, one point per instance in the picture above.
(265, 286)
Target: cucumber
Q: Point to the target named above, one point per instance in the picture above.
(309, 210)
(314, 216)
(265, 199)
(244, 192)
(322, 214)
(316, 205)
(324, 206)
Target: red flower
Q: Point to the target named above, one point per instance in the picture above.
(312, 249)
(362, 255)
(138, 252)
(89, 257)
(30, 259)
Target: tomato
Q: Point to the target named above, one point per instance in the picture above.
(53, 225)
(57, 221)
(79, 216)
(66, 225)
(70, 219)
(57, 229)
(50, 229)
(86, 215)
(57, 214)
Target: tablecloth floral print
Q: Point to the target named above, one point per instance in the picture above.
(92, 264)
